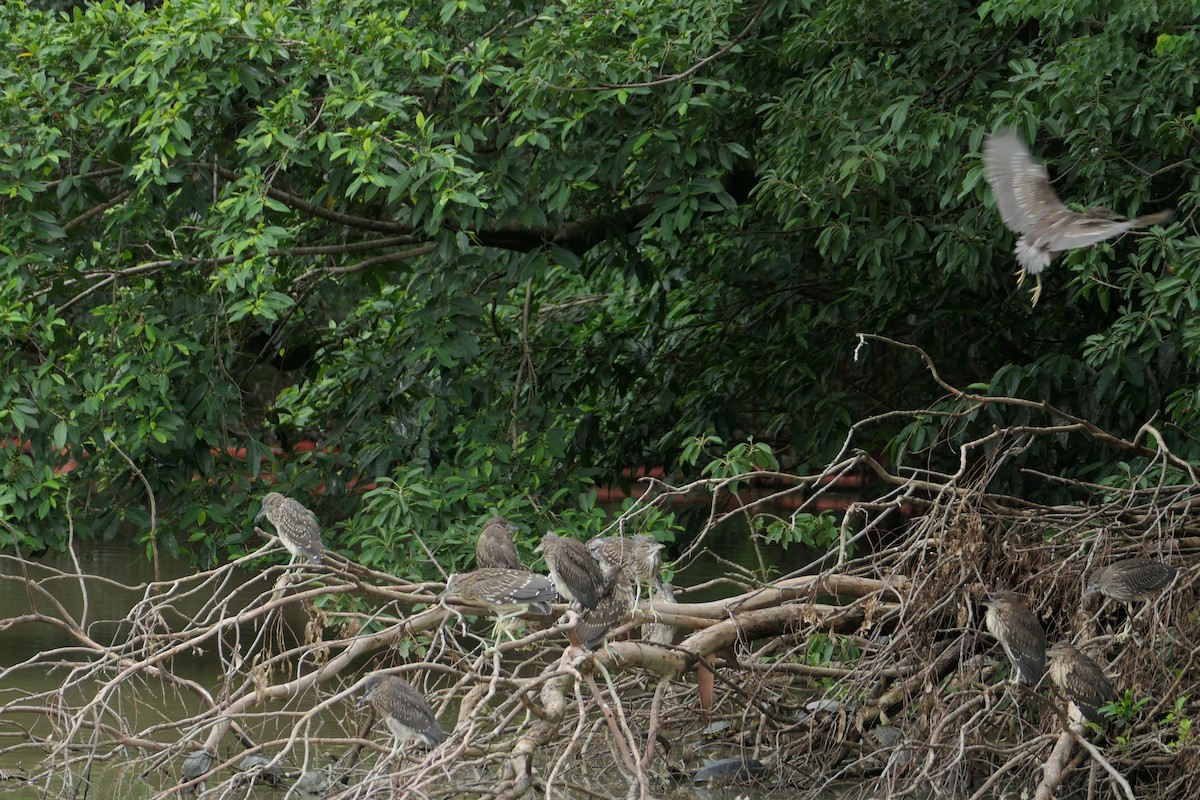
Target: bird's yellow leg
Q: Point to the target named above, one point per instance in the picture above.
(1020, 276)
(1037, 290)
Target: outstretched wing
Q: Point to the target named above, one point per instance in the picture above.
(1022, 190)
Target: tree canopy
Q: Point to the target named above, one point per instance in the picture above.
(487, 254)
(422, 263)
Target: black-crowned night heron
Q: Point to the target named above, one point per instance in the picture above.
(1129, 581)
(1082, 679)
(507, 592)
(295, 525)
(642, 555)
(660, 632)
(575, 572)
(404, 710)
(613, 608)
(196, 766)
(1019, 633)
(495, 548)
(1029, 206)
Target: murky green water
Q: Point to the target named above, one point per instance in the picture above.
(100, 609)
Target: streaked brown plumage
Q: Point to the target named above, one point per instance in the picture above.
(575, 572)
(611, 610)
(642, 555)
(295, 525)
(507, 591)
(1082, 679)
(404, 710)
(495, 547)
(1029, 206)
(1019, 633)
(1131, 580)
(660, 632)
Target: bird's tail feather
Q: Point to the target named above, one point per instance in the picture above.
(1157, 218)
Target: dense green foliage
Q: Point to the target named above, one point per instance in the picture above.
(486, 254)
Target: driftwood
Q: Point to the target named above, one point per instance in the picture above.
(907, 698)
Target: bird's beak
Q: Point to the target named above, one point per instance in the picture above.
(541, 546)
(259, 515)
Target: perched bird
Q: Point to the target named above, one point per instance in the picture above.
(1082, 679)
(195, 766)
(575, 572)
(642, 555)
(406, 712)
(1019, 633)
(1129, 581)
(660, 632)
(296, 526)
(611, 610)
(1029, 206)
(495, 548)
(510, 592)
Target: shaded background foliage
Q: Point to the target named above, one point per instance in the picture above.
(486, 255)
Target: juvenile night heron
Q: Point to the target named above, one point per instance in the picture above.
(296, 526)
(642, 555)
(575, 572)
(660, 632)
(1019, 633)
(613, 608)
(1082, 679)
(508, 592)
(495, 548)
(1129, 581)
(1029, 206)
(404, 710)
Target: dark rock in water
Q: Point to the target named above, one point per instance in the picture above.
(728, 771)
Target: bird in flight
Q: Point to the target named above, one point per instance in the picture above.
(1029, 206)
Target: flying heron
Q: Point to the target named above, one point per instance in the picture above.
(1029, 206)
(404, 710)
(508, 592)
(611, 610)
(1019, 633)
(296, 526)
(495, 548)
(1082, 679)
(575, 572)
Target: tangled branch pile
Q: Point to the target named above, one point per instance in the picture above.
(864, 676)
